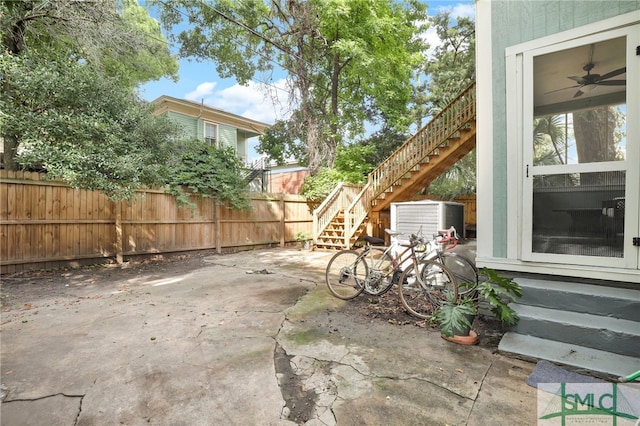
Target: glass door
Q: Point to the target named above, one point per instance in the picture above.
(581, 156)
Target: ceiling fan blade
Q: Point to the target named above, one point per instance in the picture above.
(612, 83)
(613, 73)
(564, 88)
(578, 93)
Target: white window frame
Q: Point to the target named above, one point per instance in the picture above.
(208, 140)
(519, 117)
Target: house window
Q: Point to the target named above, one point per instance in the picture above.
(211, 133)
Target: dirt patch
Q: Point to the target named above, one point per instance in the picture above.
(388, 308)
(19, 290)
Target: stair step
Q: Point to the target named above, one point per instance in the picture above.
(593, 299)
(329, 246)
(594, 331)
(569, 354)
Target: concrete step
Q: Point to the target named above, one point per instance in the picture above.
(615, 335)
(588, 326)
(579, 297)
(579, 357)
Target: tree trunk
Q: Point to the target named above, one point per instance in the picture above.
(594, 132)
(14, 42)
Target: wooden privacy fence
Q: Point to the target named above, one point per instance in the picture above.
(46, 224)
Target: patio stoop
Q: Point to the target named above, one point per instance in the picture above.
(588, 327)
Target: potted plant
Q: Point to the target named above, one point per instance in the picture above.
(304, 240)
(455, 316)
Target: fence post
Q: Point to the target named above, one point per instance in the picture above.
(283, 226)
(217, 227)
(119, 248)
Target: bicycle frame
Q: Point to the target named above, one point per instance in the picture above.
(399, 253)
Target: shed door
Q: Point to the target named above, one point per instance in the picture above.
(581, 151)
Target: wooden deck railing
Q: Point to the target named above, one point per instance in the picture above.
(405, 159)
(442, 127)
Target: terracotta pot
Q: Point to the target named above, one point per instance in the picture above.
(471, 339)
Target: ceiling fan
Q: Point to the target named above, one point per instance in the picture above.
(593, 80)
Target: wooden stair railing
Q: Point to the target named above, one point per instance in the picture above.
(443, 126)
(409, 157)
(335, 203)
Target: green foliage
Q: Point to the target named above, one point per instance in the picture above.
(499, 291)
(352, 162)
(350, 167)
(380, 145)
(459, 179)
(316, 188)
(81, 129)
(115, 38)
(453, 316)
(209, 172)
(69, 107)
(496, 290)
(452, 67)
(278, 143)
(549, 140)
(450, 70)
(302, 237)
(324, 46)
(149, 58)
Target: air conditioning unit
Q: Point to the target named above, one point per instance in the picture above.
(429, 216)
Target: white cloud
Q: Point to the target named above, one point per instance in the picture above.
(463, 11)
(251, 101)
(460, 10)
(202, 91)
(457, 9)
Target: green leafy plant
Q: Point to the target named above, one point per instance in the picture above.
(302, 237)
(207, 171)
(498, 291)
(454, 315)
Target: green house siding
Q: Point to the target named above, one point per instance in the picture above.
(514, 22)
(228, 136)
(188, 124)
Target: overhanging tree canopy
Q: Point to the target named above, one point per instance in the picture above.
(114, 41)
(346, 60)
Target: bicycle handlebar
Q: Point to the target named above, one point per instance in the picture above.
(448, 236)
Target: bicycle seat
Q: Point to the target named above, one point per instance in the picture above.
(392, 232)
(374, 241)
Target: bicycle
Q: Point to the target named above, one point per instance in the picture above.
(464, 270)
(423, 284)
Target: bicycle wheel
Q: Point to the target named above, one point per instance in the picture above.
(380, 264)
(464, 270)
(423, 290)
(346, 274)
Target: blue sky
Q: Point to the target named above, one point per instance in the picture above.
(199, 81)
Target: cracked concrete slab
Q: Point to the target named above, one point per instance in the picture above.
(63, 410)
(247, 338)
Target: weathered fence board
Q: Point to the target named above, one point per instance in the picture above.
(46, 224)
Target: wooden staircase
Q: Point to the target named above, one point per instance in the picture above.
(449, 136)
